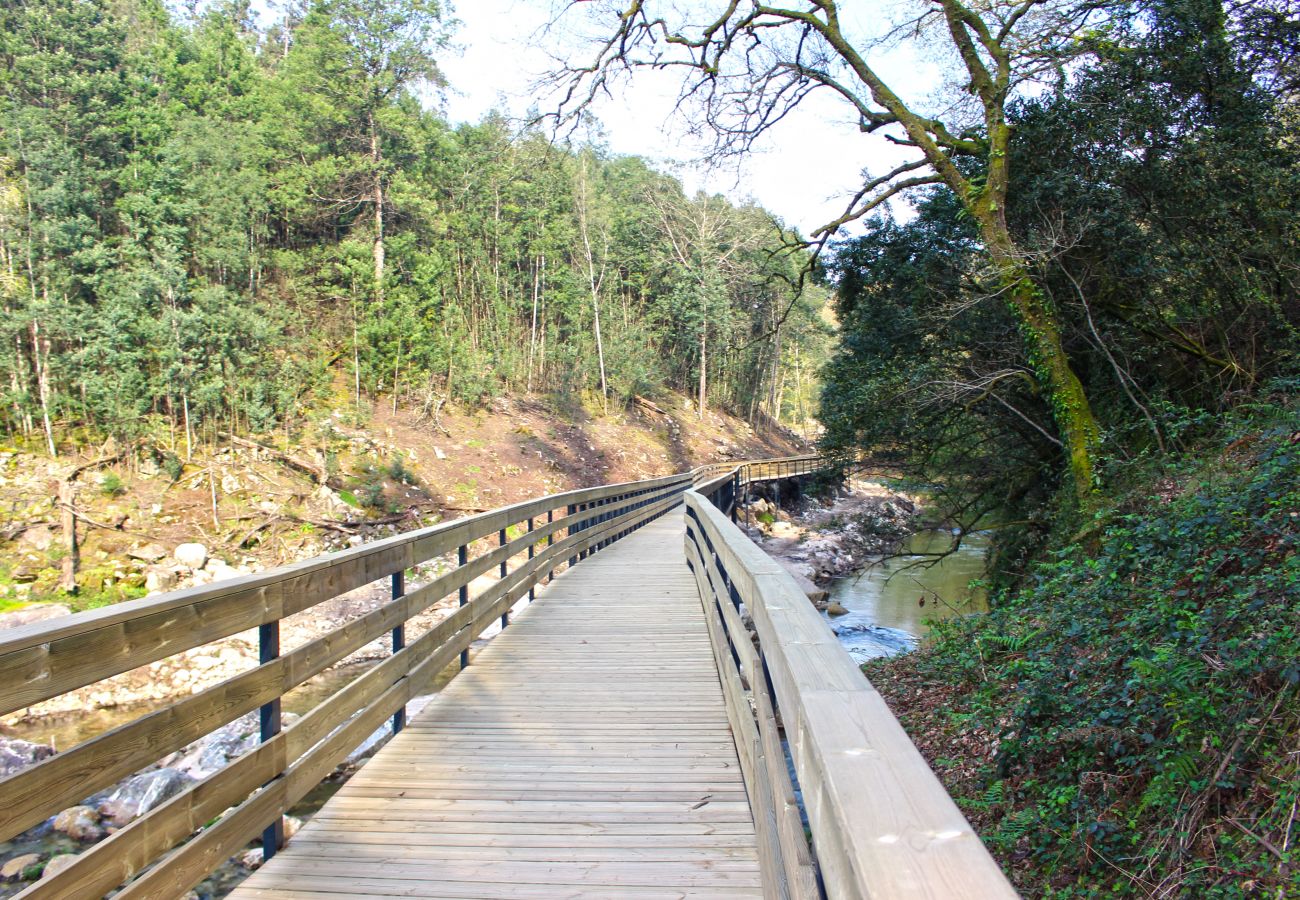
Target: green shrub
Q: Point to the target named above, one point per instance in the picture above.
(1142, 690)
(111, 485)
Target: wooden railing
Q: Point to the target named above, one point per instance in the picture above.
(174, 846)
(882, 826)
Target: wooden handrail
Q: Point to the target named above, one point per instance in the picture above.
(178, 843)
(50, 658)
(881, 823)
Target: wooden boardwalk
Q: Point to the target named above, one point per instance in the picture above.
(586, 752)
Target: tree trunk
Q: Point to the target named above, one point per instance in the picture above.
(532, 335)
(377, 173)
(600, 349)
(68, 525)
(704, 366)
(1041, 332)
(41, 361)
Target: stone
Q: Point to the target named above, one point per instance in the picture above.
(191, 555)
(159, 578)
(38, 537)
(142, 793)
(149, 552)
(252, 859)
(16, 754)
(37, 612)
(58, 863)
(14, 869)
(836, 609)
(81, 823)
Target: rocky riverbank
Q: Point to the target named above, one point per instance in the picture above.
(819, 539)
(202, 667)
(50, 846)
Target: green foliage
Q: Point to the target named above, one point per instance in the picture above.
(1143, 690)
(198, 209)
(173, 465)
(1152, 194)
(111, 485)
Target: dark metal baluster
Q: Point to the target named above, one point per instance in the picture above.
(550, 541)
(399, 641)
(532, 580)
(572, 530)
(268, 642)
(501, 541)
(462, 559)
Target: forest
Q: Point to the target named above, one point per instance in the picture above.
(1069, 320)
(204, 223)
(1081, 337)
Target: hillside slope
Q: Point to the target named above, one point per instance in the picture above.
(258, 503)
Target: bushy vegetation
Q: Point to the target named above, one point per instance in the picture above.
(1125, 721)
(1154, 195)
(204, 220)
(1140, 691)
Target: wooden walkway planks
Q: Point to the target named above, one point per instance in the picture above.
(585, 753)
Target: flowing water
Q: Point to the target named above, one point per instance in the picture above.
(892, 604)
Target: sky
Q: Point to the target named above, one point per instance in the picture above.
(804, 170)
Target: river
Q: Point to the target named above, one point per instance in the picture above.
(891, 605)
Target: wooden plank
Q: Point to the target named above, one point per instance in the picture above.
(45, 659)
(882, 824)
(566, 764)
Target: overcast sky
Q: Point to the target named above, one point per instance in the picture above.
(804, 170)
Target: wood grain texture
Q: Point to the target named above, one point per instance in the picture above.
(46, 659)
(882, 824)
(585, 752)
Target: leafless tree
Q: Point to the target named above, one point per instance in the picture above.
(747, 65)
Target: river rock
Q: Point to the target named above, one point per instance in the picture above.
(37, 612)
(16, 754)
(149, 553)
(13, 869)
(142, 793)
(58, 863)
(192, 556)
(38, 538)
(81, 823)
(836, 609)
(812, 591)
(217, 750)
(159, 578)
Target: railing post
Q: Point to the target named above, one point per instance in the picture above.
(462, 559)
(735, 493)
(399, 641)
(268, 643)
(501, 542)
(550, 541)
(532, 582)
(573, 529)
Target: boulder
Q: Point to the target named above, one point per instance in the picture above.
(192, 556)
(18, 754)
(159, 578)
(811, 591)
(81, 823)
(835, 609)
(142, 793)
(58, 864)
(37, 612)
(38, 537)
(150, 553)
(218, 749)
(16, 868)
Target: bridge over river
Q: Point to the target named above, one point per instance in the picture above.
(663, 714)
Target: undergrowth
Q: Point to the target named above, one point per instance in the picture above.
(1137, 699)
